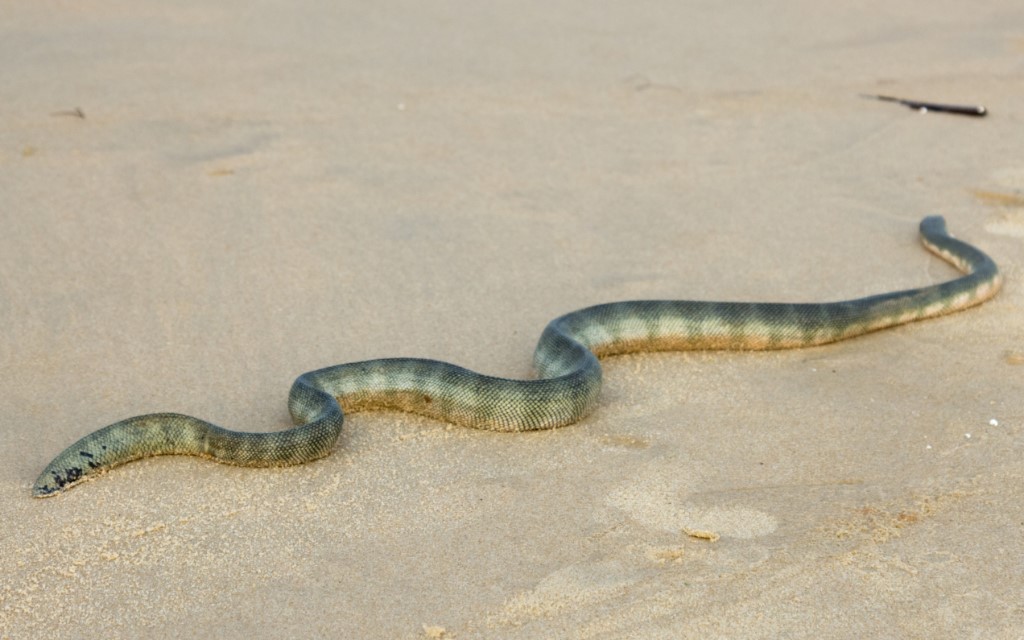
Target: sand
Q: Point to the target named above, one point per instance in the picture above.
(202, 200)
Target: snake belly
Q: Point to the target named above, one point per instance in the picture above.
(566, 360)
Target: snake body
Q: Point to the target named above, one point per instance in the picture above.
(566, 360)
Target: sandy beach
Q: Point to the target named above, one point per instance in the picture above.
(203, 200)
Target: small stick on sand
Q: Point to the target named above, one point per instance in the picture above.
(961, 110)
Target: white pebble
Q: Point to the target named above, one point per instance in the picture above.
(994, 422)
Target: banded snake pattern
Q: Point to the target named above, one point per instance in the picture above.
(566, 360)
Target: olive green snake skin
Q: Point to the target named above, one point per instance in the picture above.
(566, 360)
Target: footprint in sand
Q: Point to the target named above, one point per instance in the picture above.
(1007, 199)
(571, 588)
(657, 499)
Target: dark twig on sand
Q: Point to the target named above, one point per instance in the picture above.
(958, 109)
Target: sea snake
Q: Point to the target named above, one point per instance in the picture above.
(566, 360)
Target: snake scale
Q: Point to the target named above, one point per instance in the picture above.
(566, 360)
